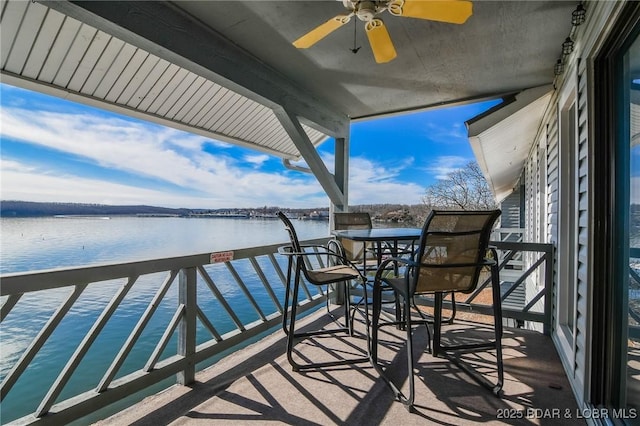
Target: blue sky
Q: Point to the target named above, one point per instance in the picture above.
(56, 150)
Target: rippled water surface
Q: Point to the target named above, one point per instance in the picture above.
(45, 243)
(42, 243)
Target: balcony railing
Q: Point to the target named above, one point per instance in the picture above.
(526, 277)
(211, 304)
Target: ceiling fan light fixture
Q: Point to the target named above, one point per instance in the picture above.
(366, 10)
(395, 7)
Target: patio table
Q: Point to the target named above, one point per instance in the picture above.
(379, 236)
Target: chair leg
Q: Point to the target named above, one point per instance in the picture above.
(292, 323)
(286, 298)
(292, 335)
(348, 322)
(375, 320)
(437, 323)
(375, 325)
(497, 318)
(438, 348)
(453, 308)
(408, 402)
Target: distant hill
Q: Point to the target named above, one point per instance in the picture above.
(34, 209)
(408, 215)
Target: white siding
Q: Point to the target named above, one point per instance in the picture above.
(581, 348)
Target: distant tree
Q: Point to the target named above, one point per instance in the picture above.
(464, 189)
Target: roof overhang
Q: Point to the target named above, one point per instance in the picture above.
(502, 138)
(212, 88)
(228, 69)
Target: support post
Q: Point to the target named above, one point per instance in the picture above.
(548, 292)
(341, 167)
(187, 296)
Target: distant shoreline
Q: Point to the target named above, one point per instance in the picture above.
(9, 209)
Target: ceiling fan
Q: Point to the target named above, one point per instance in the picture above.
(450, 11)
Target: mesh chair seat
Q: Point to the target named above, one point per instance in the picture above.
(332, 274)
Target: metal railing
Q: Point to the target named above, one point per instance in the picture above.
(211, 302)
(192, 290)
(524, 267)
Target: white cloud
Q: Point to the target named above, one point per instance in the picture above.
(257, 160)
(446, 164)
(22, 182)
(373, 183)
(152, 151)
(452, 132)
(177, 158)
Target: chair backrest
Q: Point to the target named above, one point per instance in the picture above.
(352, 221)
(354, 251)
(452, 250)
(295, 243)
(312, 276)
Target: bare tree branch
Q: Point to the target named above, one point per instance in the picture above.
(464, 189)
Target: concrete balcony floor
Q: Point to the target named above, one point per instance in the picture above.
(257, 385)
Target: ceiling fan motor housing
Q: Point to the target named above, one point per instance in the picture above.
(365, 10)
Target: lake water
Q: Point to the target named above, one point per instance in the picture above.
(29, 244)
(43, 243)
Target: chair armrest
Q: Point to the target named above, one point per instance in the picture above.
(383, 266)
(288, 250)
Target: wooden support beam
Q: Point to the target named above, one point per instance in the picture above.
(292, 125)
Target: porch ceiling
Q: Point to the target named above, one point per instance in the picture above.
(224, 68)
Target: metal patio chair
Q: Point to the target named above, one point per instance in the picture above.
(338, 270)
(452, 253)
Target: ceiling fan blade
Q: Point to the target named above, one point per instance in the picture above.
(321, 31)
(450, 11)
(380, 41)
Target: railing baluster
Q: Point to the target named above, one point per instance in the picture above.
(164, 340)
(207, 279)
(37, 343)
(302, 282)
(244, 289)
(277, 268)
(265, 283)
(533, 301)
(523, 277)
(135, 334)
(8, 305)
(82, 349)
(205, 321)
